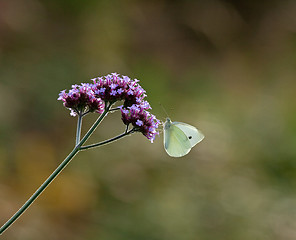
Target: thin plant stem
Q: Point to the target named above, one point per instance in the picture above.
(55, 173)
(114, 109)
(87, 112)
(78, 131)
(94, 126)
(108, 141)
(39, 190)
(126, 129)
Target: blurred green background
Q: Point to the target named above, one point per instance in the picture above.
(224, 66)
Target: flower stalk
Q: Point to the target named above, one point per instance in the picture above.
(78, 131)
(109, 140)
(39, 190)
(59, 169)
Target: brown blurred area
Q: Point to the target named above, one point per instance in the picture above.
(226, 67)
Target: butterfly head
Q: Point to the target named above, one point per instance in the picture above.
(167, 123)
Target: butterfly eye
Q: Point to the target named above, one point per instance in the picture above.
(190, 137)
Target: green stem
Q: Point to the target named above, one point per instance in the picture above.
(114, 109)
(78, 131)
(39, 190)
(55, 173)
(108, 141)
(94, 126)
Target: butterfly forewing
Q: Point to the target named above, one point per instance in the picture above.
(176, 143)
(194, 135)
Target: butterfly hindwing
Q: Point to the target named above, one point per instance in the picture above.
(193, 134)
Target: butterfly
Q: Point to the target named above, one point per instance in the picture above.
(180, 137)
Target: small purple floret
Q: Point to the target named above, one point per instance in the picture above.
(139, 123)
(113, 93)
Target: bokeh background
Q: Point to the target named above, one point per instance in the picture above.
(225, 66)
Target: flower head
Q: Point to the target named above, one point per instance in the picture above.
(114, 87)
(108, 90)
(141, 119)
(80, 99)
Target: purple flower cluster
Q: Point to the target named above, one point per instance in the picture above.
(141, 119)
(113, 87)
(108, 90)
(81, 99)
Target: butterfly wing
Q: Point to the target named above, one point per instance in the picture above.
(176, 143)
(194, 135)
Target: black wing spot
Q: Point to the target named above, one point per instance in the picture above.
(190, 137)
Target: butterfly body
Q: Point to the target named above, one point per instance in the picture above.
(180, 137)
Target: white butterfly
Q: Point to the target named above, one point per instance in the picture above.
(179, 138)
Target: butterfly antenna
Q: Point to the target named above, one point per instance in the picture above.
(164, 110)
